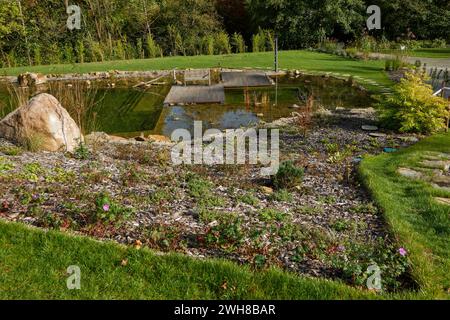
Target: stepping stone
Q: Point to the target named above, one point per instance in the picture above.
(441, 188)
(409, 139)
(378, 135)
(436, 164)
(442, 180)
(409, 173)
(437, 155)
(369, 128)
(444, 201)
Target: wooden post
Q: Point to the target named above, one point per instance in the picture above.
(276, 53)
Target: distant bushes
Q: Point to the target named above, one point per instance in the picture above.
(362, 47)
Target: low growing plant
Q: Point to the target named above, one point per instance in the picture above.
(108, 211)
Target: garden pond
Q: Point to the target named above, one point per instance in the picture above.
(121, 108)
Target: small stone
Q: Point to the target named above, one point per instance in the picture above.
(266, 190)
(444, 201)
(369, 128)
(409, 173)
(260, 115)
(378, 135)
(295, 106)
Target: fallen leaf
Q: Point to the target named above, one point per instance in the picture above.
(138, 244)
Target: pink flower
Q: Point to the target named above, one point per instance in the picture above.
(106, 207)
(402, 252)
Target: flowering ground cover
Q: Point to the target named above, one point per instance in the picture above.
(323, 226)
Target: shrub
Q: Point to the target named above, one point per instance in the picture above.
(238, 43)
(259, 41)
(153, 49)
(413, 108)
(288, 176)
(222, 43)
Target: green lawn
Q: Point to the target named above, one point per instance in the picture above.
(432, 53)
(33, 265)
(368, 73)
(436, 53)
(413, 215)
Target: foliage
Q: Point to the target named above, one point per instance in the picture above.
(413, 108)
(108, 211)
(5, 165)
(354, 259)
(238, 43)
(116, 29)
(288, 176)
(82, 152)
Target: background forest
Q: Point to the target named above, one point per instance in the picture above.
(34, 32)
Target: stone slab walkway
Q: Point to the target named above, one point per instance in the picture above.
(195, 95)
(245, 79)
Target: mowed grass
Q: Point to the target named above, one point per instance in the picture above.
(438, 53)
(367, 72)
(33, 265)
(415, 218)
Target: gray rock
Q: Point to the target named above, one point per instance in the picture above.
(369, 128)
(378, 135)
(409, 173)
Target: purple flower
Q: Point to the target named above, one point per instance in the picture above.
(341, 248)
(106, 207)
(402, 252)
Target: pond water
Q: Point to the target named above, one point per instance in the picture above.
(123, 110)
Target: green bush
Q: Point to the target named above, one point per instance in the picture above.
(413, 108)
(222, 43)
(288, 176)
(238, 43)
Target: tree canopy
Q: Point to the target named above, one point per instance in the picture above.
(35, 32)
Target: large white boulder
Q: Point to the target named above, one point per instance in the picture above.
(43, 118)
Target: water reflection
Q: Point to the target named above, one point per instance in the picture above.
(128, 111)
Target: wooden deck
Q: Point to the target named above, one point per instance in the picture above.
(245, 79)
(195, 95)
